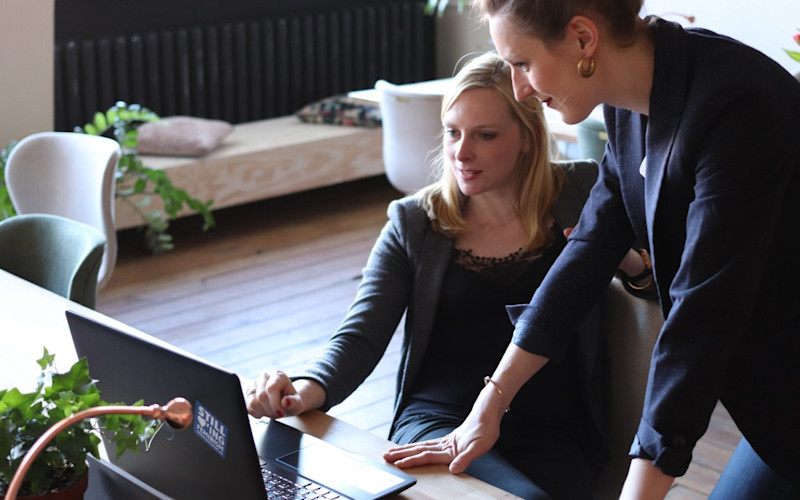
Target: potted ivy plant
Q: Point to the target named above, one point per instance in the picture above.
(24, 417)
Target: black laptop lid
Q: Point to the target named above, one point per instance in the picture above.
(216, 457)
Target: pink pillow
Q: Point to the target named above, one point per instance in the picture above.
(182, 136)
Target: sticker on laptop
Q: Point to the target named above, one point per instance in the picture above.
(210, 429)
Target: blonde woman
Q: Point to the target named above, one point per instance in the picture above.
(451, 258)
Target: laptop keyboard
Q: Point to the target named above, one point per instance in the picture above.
(281, 488)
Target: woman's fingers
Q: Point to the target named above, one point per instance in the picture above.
(437, 451)
(463, 459)
(406, 450)
(292, 404)
(427, 457)
(277, 386)
(266, 397)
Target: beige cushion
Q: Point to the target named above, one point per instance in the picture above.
(182, 136)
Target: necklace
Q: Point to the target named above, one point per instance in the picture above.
(495, 226)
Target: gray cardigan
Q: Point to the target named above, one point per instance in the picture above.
(404, 274)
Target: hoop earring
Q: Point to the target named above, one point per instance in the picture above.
(586, 73)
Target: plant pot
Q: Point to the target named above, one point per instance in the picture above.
(74, 491)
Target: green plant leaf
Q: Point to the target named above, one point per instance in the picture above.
(46, 359)
(439, 7)
(794, 55)
(430, 7)
(111, 115)
(91, 129)
(100, 121)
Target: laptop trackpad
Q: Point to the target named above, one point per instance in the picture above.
(334, 467)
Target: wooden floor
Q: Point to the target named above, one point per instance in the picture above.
(268, 285)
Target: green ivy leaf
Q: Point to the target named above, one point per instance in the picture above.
(46, 359)
(112, 116)
(100, 121)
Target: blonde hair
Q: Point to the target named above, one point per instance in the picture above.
(540, 180)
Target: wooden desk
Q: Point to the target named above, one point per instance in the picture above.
(32, 317)
(560, 130)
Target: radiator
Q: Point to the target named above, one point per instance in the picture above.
(238, 70)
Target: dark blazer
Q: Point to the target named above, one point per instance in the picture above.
(716, 204)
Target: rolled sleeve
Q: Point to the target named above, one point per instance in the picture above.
(671, 454)
(527, 337)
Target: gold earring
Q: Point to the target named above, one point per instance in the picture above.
(586, 73)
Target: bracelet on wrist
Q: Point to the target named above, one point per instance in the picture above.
(488, 380)
(644, 280)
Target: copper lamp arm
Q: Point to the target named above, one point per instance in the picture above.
(177, 413)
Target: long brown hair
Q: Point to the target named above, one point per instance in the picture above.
(540, 180)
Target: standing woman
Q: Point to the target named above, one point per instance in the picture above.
(703, 162)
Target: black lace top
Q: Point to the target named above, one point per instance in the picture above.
(471, 333)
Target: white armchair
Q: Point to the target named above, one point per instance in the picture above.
(412, 134)
(71, 175)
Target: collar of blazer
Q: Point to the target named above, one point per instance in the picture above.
(667, 101)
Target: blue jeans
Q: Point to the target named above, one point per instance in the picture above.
(747, 477)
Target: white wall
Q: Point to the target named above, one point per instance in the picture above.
(769, 27)
(458, 35)
(26, 68)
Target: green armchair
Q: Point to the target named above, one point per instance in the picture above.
(56, 253)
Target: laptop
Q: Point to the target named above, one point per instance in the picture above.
(225, 453)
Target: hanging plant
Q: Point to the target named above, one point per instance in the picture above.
(438, 6)
(120, 122)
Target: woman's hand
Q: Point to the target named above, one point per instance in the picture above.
(274, 395)
(481, 428)
(470, 440)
